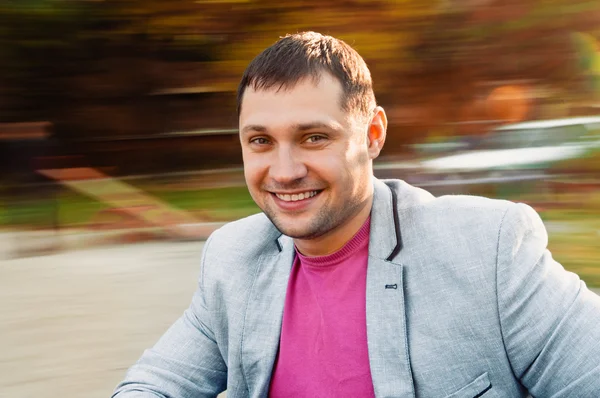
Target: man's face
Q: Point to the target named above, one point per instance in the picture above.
(306, 161)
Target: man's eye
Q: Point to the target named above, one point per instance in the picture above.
(315, 138)
(259, 141)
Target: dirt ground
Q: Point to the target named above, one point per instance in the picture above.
(73, 322)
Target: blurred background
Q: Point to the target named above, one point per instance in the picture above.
(119, 151)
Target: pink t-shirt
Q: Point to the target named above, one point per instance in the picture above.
(323, 347)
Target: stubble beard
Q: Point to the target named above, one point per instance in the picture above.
(325, 220)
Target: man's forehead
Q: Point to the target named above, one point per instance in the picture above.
(323, 82)
(318, 79)
(306, 101)
(292, 119)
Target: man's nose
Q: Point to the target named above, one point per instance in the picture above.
(287, 167)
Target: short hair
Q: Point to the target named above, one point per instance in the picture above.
(295, 57)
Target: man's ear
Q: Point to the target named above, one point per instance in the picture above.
(376, 132)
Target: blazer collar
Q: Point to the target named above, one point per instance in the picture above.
(263, 317)
(385, 224)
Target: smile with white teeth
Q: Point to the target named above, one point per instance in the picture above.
(296, 197)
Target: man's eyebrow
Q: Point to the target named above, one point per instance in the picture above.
(317, 125)
(296, 127)
(253, 127)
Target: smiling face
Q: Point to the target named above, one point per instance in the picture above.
(307, 162)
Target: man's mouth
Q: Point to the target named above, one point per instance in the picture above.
(296, 197)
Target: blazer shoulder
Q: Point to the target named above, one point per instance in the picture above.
(410, 197)
(477, 209)
(251, 235)
(470, 203)
(442, 218)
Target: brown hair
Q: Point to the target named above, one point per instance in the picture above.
(307, 55)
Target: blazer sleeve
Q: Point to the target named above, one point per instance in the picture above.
(185, 362)
(550, 321)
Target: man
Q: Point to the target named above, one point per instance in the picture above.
(351, 286)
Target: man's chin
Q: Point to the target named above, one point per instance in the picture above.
(297, 234)
(297, 226)
(294, 230)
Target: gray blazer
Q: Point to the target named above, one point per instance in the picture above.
(480, 310)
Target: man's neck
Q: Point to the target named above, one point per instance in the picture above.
(336, 239)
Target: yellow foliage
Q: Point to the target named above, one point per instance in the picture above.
(408, 9)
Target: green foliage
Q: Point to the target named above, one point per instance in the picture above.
(588, 52)
(588, 57)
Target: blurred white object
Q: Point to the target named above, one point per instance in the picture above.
(528, 145)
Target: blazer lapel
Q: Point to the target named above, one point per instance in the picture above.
(263, 317)
(386, 320)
